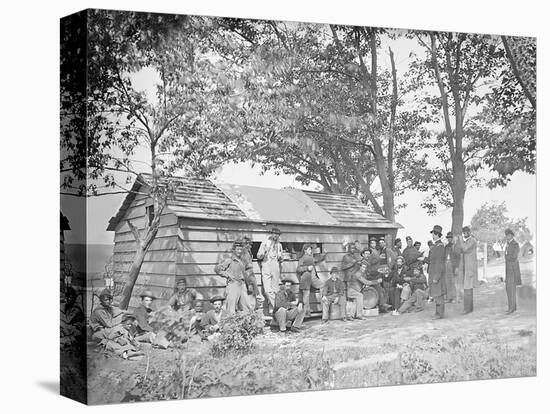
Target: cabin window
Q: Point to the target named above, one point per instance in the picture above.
(150, 214)
(294, 249)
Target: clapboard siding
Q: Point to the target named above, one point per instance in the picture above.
(151, 256)
(166, 220)
(160, 243)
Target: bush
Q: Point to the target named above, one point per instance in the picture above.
(237, 332)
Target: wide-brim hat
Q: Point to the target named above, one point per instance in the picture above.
(417, 243)
(307, 246)
(334, 269)
(437, 229)
(216, 299)
(181, 282)
(408, 238)
(397, 241)
(275, 230)
(147, 294)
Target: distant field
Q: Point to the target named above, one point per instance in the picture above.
(98, 255)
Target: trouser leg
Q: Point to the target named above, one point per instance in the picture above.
(242, 299)
(232, 290)
(326, 309)
(468, 300)
(280, 316)
(297, 316)
(451, 287)
(405, 306)
(267, 280)
(511, 293)
(357, 297)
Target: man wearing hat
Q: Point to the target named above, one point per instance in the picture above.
(513, 275)
(397, 246)
(270, 254)
(451, 268)
(287, 308)
(355, 285)
(106, 322)
(333, 293)
(411, 253)
(183, 297)
(307, 275)
(436, 272)
(233, 270)
(467, 267)
(211, 320)
(144, 331)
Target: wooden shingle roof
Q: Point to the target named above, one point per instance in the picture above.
(204, 199)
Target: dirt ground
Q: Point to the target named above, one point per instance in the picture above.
(354, 348)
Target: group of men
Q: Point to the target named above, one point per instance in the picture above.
(396, 274)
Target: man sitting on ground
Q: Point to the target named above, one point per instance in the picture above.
(287, 308)
(106, 322)
(418, 285)
(332, 293)
(210, 322)
(144, 331)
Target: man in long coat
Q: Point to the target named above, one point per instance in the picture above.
(467, 268)
(436, 269)
(513, 275)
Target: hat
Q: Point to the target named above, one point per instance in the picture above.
(466, 229)
(334, 269)
(216, 298)
(397, 241)
(509, 231)
(287, 279)
(437, 229)
(417, 243)
(238, 243)
(449, 235)
(147, 294)
(275, 230)
(181, 282)
(105, 292)
(366, 249)
(408, 238)
(306, 246)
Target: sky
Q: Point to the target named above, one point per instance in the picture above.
(519, 194)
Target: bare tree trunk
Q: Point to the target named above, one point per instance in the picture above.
(459, 191)
(387, 193)
(132, 276)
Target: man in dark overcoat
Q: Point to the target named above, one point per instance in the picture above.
(513, 275)
(436, 269)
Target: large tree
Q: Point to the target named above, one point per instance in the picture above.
(176, 125)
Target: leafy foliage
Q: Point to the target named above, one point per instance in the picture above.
(237, 332)
(490, 220)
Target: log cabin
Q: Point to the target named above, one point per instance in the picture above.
(203, 218)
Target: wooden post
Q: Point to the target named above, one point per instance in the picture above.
(485, 261)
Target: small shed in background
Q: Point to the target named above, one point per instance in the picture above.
(202, 220)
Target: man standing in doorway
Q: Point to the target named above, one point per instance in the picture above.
(467, 269)
(513, 275)
(271, 256)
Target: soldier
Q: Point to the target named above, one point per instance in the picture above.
(144, 331)
(250, 278)
(106, 322)
(233, 270)
(417, 282)
(332, 293)
(513, 275)
(411, 253)
(397, 277)
(451, 268)
(307, 275)
(271, 256)
(72, 313)
(210, 322)
(287, 308)
(397, 245)
(356, 283)
(183, 298)
(436, 269)
(467, 269)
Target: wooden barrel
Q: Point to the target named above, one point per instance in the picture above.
(336, 311)
(370, 297)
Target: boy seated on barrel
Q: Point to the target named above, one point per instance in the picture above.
(333, 293)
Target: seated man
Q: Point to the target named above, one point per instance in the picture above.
(356, 284)
(144, 331)
(418, 285)
(210, 322)
(287, 308)
(72, 321)
(397, 282)
(183, 298)
(106, 322)
(195, 322)
(333, 293)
